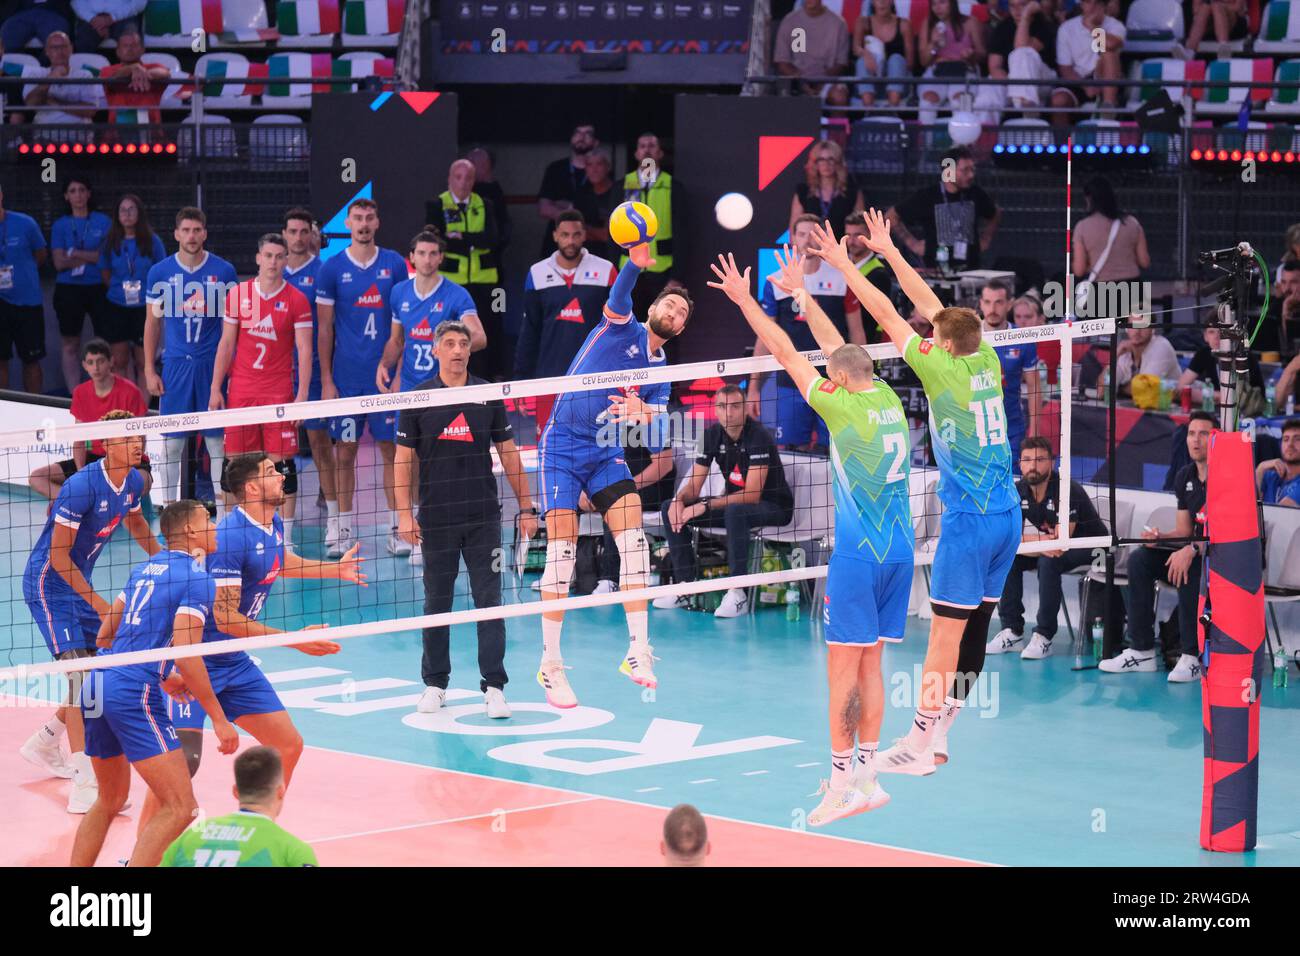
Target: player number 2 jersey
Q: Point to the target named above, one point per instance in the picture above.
(968, 425)
(264, 351)
(869, 455)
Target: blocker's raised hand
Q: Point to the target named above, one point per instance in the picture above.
(730, 281)
(879, 239)
(832, 250)
(790, 277)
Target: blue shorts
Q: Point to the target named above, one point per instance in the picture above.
(974, 557)
(869, 602)
(313, 395)
(349, 428)
(571, 464)
(241, 689)
(125, 715)
(64, 619)
(787, 416)
(187, 388)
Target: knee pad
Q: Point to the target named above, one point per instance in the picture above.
(561, 556)
(192, 744)
(289, 469)
(634, 558)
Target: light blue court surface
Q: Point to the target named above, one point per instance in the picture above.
(1048, 766)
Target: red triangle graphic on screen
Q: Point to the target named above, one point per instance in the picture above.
(775, 153)
(419, 101)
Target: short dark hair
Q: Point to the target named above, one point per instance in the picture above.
(727, 389)
(1291, 265)
(240, 470)
(174, 516)
(811, 217)
(451, 326)
(257, 771)
(1202, 416)
(571, 215)
(298, 212)
(855, 219)
(958, 153)
(191, 212)
(676, 288)
(429, 234)
(363, 204)
(997, 285)
(685, 832)
(1291, 424)
(96, 347)
(1036, 441)
(271, 239)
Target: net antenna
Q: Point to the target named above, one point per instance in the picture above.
(1237, 268)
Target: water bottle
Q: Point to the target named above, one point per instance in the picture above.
(1279, 667)
(1290, 405)
(941, 259)
(1270, 398)
(792, 602)
(1207, 396)
(1098, 638)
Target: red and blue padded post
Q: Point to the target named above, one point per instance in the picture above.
(1231, 645)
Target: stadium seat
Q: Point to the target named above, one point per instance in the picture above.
(1100, 132)
(170, 24)
(218, 138)
(1227, 100)
(1025, 132)
(1286, 100)
(305, 24)
(16, 64)
(1257, 136)
(1153, 26)
(234, 70)
(372, 23)
(1168, 71)
(275, 139)
(1280, 31)
(243, 21)
(282, 66)
(362, 65)
(172, 95)
(1282, 573)
(90, 61)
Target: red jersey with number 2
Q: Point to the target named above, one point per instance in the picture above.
(263, 363)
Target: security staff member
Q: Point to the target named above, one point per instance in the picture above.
(459, 513)
(470, 227)
(649, 183)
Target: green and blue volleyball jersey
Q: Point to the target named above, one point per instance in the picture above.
(968, 426)
(869, 456)
(242, 838)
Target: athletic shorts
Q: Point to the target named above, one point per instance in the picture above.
(121, 323)
(72, 303)
(279, 438)
(571, 464)
(974, 556)
(787, 416)
(187, 388)
(241, 689)
(22, 332)
(126, 716)
(866, 602)
(313, 395)
(350, 428)
(64, 619)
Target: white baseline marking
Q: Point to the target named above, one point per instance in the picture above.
(438, 823)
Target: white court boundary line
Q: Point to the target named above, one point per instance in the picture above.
(500, 811)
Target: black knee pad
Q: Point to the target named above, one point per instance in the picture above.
(970, 656)
(192, 744)
(289, 469)
(604, 499)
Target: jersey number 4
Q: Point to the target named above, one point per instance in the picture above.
(990, 421)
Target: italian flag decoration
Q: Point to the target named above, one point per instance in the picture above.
(360, 68)
(173, 17)
(1170, 73)
(300, 18)
(234, 72)
(1283, 22)
(283, 66)
(1238, 71)
(373, 17)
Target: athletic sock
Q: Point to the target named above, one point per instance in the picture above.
(638, 629)
(866, 755)
(331, 508)
(922, 732)
(951, 708)
(52, 730)
(392, 520)
(551, 639)
(841, 768)
(82, 771)
(345, 521)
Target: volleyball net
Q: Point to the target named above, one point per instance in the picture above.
(784, 469)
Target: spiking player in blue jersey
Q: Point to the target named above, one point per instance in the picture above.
(981, 523)
(870, 576)
(250, 556)
(186, 297)
(579, 453)
(56, 586)
(300, 272)
(353, 295)
(165, 603)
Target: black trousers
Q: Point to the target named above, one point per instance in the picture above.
(493, 362)
(443, 546)
(1145, 568)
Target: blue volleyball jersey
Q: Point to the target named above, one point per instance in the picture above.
(92, 506)
(193, 303)
(249, 556)
(159, 588)
(1016, 361)
(360, 295)
(304, 280)
(419, 318)
(611, 347)
(82, 235)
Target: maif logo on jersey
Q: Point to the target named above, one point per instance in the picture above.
(272, 574)
(736, 478)
(421, 331)
(458, 430)
(109, 528)
(371, 299)
(571, 312)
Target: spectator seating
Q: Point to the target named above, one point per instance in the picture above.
(372, 23)
(1153, 26)
(1025, 132)
(308, 24)
(1282, 570)
(1280, 29)
(1285, 100)
(93, 62)
(281, 95)
(1225, 100)
(218, 134)
(1170, 72)
(16, 64)
(275, 139)
(233, 69)
(243, 21)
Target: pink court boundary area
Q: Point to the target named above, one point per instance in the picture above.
(371, 811)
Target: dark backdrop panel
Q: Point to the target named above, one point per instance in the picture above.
(717, 152)
(402, 156)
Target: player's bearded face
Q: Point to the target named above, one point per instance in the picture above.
(272, 486)
(364, 226)
(669, 316)
(1036, 469)
(1291, 447)
(857, 241)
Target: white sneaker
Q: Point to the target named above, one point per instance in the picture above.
(1005, 640)
(837, 804)
(1187, 670)
(901, 758)
(1039, 647)
(558, 692)
(497, 708)
(673, 602)
(83, 795)
(397, 545)
(46, 755)
(1129, 661)
(639, 665)
(431, 700)
(332, 534)
(734, 603)
(416, 560)
(341, 544)
(605, 587)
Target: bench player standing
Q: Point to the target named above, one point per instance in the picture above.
(267, 324)
(185, 294)
(576, 455)
(353, 292)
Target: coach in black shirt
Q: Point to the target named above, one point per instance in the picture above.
(757, 496)
(459, 513)
(1040, 497)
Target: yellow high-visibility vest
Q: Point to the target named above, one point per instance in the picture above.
(480, 265)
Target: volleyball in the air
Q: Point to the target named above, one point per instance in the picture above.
(632, 223)
(734, 211)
